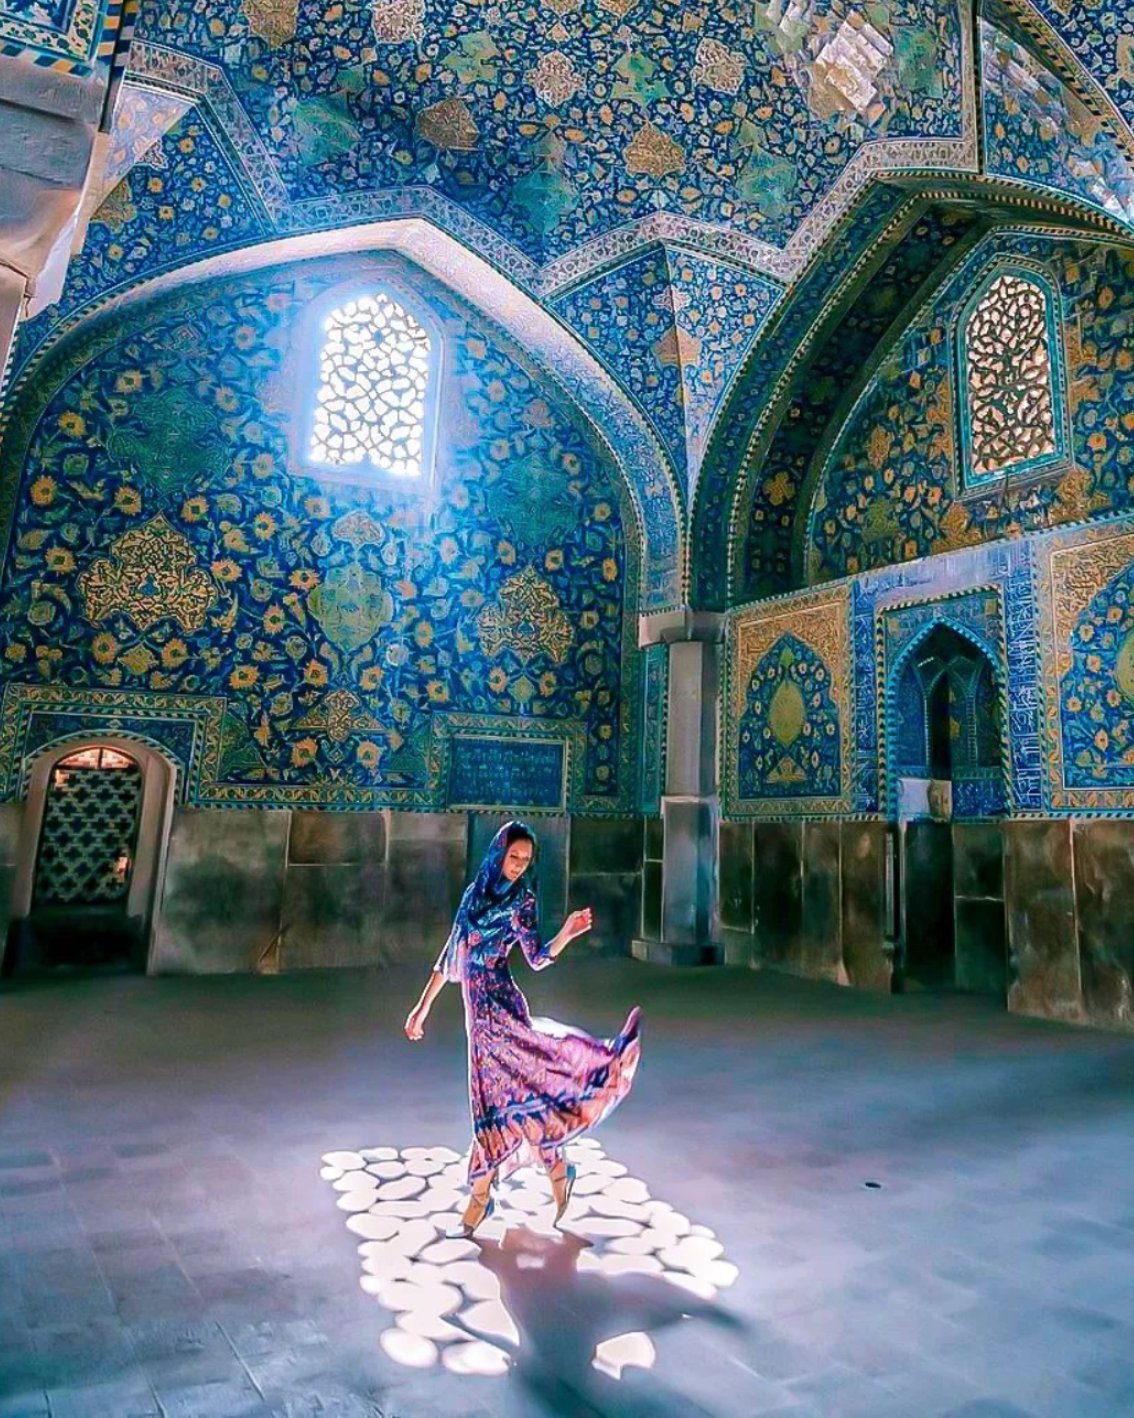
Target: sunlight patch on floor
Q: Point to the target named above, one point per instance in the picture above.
(405, 1206)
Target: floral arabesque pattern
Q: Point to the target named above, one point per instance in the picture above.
(320, 589)
(788, 738)
(890, 489)
(555, 124)
(1096, 695)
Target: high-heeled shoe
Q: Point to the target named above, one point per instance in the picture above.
(466, 1231)
(569, 1184)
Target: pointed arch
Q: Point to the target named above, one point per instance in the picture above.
(613, 420)
(991, 782)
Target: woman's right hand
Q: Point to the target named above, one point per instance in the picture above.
(415, 1025)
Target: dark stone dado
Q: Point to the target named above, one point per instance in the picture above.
(867, 954)
(333, 914)
(777, 889)
(978, 859)
(1104, 894)
(600, 844)
(223, 896)
(980, 927)
(651, 900)
(821, 934)
(425, 876)
(616, 900)
(736, 867)
(336, 837)
(1044, 976)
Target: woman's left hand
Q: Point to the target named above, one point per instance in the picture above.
(578, 923)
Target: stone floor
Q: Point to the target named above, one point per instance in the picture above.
(168, 1245)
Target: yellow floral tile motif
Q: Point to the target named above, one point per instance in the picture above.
(1083, 581)
(315, 589)
(652, 152)
(340, 715)
(449, 125)
(273, 20)
(790, 707)
(151, 574)
(527, 619)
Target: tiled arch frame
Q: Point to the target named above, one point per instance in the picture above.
(890, 676)
(832, 278)
(1011, 245)
(762, 386)
(735, 474)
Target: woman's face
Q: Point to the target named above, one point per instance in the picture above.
(517, 859)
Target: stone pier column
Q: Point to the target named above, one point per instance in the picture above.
(50, 138)
(690, 914)
(13, 291)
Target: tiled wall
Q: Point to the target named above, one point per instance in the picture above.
(175, 565)
(1041, 890)
(1054, 614)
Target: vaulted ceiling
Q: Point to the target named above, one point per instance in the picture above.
(553, 125)
(679, 186)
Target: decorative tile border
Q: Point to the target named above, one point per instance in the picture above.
(454, 734)
(1072, 568)
(921, 593)
(821, 621)
(187, 728)
(67, 36)
(654, 726)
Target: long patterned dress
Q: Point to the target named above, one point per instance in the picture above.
(533, 1084)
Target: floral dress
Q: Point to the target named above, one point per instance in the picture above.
(533, 1084)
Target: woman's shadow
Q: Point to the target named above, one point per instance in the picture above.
(562, 1314)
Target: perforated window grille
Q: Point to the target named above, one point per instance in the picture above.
(1009, 374)
(90, 826)
(374, 367)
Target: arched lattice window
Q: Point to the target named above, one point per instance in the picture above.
(1011, 410)
(372, 395)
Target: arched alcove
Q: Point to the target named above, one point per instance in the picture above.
(945, 723)
(946, 774)
(91, 854)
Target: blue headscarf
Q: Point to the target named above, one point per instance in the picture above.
(489, 888)
(487, 892)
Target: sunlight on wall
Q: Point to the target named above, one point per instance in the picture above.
(445, 1291)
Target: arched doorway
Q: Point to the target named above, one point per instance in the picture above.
(90, 857)
(946, 773)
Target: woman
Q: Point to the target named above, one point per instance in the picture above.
(533, 1084)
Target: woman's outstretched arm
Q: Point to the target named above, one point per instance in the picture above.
(540, 954)
(415, 1020)
(577, 923)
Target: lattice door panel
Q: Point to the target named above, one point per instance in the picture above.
(90, 825)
